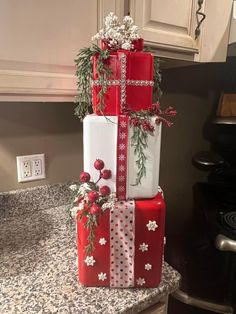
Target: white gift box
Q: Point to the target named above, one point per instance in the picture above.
(100, 142)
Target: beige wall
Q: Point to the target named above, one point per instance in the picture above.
(31, 128)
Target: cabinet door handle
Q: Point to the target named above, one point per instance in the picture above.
(200, 18)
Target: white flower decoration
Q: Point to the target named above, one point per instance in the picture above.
(102, 241)
(74, 211)
(143, 247)
(73, 187)
(110, 202)
(148, 266)
(84, 188)
(126, 46)
(102, 276)
(159, 189)
(152, 225)
(140, 281)
(117, 34)
(89, 261)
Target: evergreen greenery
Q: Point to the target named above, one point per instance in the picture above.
(139, 140)
(84, 72)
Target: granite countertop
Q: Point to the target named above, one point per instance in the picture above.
(39, 269)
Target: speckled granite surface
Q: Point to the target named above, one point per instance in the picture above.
(19, 202)
(38, 263)
(39, 271)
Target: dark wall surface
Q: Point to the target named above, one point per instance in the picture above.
(194, 91)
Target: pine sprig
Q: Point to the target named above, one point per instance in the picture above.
(139, 142)
(84, 71)
(90, 224)
(157, 92)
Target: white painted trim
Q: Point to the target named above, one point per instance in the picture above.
(33, 82)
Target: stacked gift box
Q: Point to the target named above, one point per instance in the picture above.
(120, 207)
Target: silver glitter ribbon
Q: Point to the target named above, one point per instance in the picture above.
(123, 82)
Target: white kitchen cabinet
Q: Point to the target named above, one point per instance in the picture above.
(39, 41)
(169, 27)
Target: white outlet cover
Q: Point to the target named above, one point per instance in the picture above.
(36, 166)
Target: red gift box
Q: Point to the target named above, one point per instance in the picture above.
(130, 84)
(128, 247)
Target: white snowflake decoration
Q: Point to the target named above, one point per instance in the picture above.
(123, 124)
(102, 241)
(122, 135)
(140, 281)
(89, 261)
(152, 225)
(148, 266)
(143, 247)
(121, 188)
(102, 276)
(121, 168)
(121, 178)
(121, 157)
(121, 146)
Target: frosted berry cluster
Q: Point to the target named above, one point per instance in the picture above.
(88, 197)
(118, 35)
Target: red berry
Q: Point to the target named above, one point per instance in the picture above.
(135, 122)
(170, 112)
(79, 200)
(93, 196)
(156, 109)
(98, 164)
(95, 209)
(147, 126)
(84, 177)
(105, 190)
(106, 174)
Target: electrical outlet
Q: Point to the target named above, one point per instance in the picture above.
(26, 169)
(37, 167)
(30, 167)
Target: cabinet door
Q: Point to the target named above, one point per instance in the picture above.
(39, 41)
(168, 24)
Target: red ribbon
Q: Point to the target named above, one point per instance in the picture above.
(121, 155)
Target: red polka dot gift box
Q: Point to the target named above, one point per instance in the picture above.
(127, 245)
